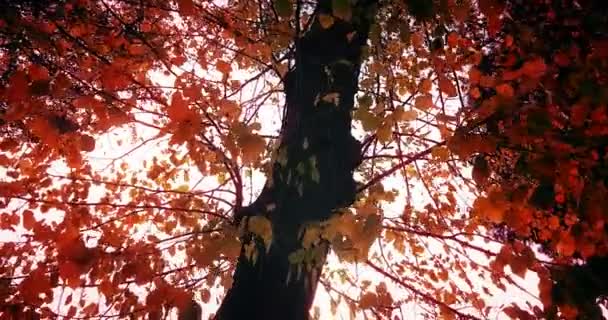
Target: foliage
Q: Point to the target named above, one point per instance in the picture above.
(135, 135)
(540, 93)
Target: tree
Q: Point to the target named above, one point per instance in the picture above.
(541, 95)
(375, 94)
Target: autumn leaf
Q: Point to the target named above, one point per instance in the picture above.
(481, 171)
(70, 272)
(491, 209)
(452, 39)
(18, 87)
(384, 133)
(424, 102)
(326, 21)
(178, 109)
(28, 220)
(447, 87)
(252, 146)
(187, 96)
(405, 115)
(505, 90)
(262, 227)
(566, 245)
(87, 143)
(426, 85)
(186, 7)
(368, 300)
(442, 153)
(534, 68)
(223, 67)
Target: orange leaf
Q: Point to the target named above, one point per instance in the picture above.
(252, 146)
(223, 67)
(447, 87)
(368, 300)
(566, 245)
(475, 93)
(137, 49)
(534, 68)
(426, 85)
(474, 76)
(36, 283)
(423, 102)
(505, 90)
(181, 298)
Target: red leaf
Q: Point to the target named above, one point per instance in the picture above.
(87, 143)
(18, 87)
(70, 273)
(178, 110)
(534, 68)
(186, 7)
(38, 72)
(29, 222)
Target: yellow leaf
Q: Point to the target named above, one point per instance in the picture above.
(442, 153)
(407, 115)
(183, 188)
(326, 21)
(312, 235)
(384, 133)
(369, 121)
(262, 227)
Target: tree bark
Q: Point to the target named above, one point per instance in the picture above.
(316, 137)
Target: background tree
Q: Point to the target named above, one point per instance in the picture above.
(156, 153)
(540, 93)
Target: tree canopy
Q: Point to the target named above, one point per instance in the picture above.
(231, 159)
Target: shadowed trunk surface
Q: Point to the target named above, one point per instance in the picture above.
(313, 173)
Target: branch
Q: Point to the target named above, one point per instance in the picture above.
(425, 296)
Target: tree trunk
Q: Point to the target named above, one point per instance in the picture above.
(313, 173)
